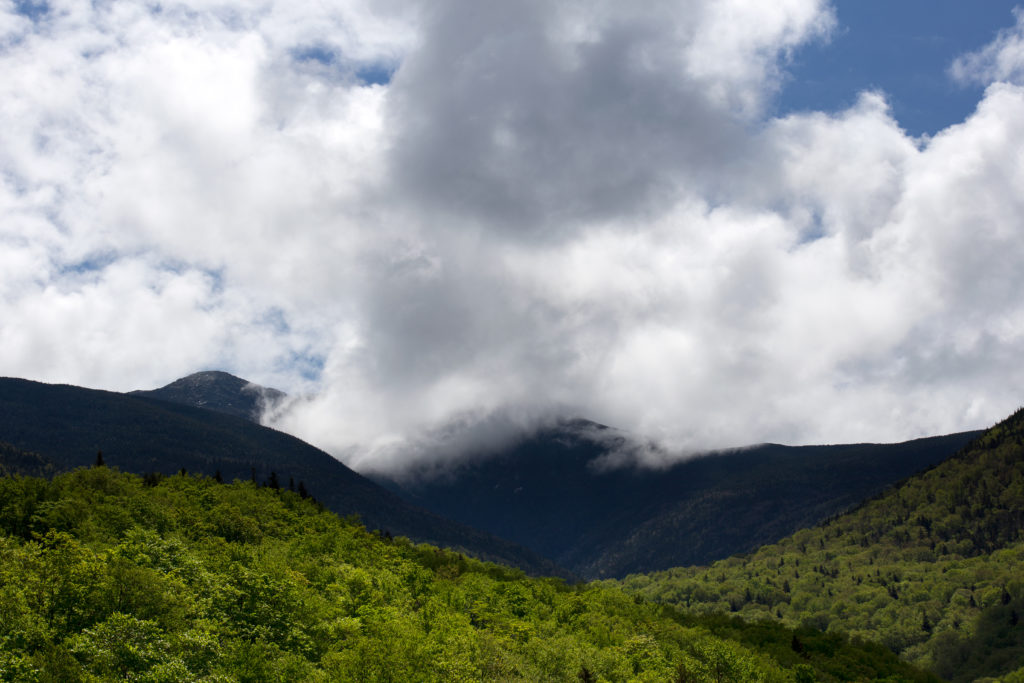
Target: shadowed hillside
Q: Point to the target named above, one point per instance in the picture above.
(549, 492)
(14, 461)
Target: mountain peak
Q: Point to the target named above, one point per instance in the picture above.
(220, 391)
(208, 376)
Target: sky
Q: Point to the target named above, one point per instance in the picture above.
(435, 224)
(901, 48)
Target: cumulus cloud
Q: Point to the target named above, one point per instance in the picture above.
(439, 225)
(537, 119)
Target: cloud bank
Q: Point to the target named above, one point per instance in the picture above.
(441, 222)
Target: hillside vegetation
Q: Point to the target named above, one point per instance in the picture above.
(933, 569)
(109, 576)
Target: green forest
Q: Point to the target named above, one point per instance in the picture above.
(933, 569)
(111, 576)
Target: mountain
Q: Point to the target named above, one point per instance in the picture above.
(554, 493)
(69, 425)
(220, 391)
(548, 492)
(932, 568)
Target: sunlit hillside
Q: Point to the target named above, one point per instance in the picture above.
(933, 569)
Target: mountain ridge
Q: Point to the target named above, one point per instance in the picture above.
(547, 493)
(69, 425)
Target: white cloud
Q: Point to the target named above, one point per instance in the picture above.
(1000, 60)
(736, 48)
(573, 209)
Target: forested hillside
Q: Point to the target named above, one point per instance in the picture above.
(933, 569)
(67, 426)
(109, 576)
(17, 461)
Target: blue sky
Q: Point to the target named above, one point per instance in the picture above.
(902, 47)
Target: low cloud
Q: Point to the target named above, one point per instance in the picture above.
(523, 212)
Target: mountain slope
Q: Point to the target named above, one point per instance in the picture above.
(69, 425)
(933, 568)
(14, 461)
(549, 492)
(220, 391)
(105, 576)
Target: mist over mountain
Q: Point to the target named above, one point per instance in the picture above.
(417, 210)
(577, 494)
(574, 492)
(455, 232)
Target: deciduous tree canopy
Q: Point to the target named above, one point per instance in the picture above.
(107, 576)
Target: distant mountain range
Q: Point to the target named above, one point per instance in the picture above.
(548, 493)
(60, 427)
(551, 493)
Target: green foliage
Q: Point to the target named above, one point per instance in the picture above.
(106, 577)
(930, 570)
